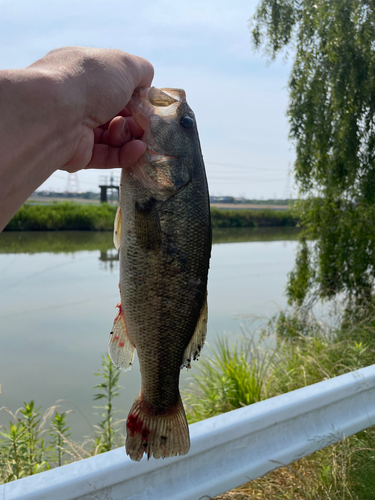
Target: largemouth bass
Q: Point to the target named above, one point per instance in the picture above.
(163, 231)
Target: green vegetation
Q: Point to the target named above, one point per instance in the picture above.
(244, 234)
(332, 117)
(294, 351)
(252, 218)
(63, 216)
(106, 430)
(76, 216)
(33, 442)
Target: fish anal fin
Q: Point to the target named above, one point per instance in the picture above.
(158, 435)
(117, 229)
(120, 349)
(195, 346)
(147, 226)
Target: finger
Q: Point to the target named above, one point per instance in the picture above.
(105, 156)
(118, 132)
(98, 134)
(135, 130)
(143, 73)
(125, 112)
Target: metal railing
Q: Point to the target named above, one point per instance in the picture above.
(226, 451)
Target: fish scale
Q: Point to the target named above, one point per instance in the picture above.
(163, 231)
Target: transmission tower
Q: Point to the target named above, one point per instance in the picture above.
(72, 183)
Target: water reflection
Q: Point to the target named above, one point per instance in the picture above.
(110, 259)
(31, 242)
(57, 308)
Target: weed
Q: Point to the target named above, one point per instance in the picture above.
(234, 376)
(106, 430)
(59, 432)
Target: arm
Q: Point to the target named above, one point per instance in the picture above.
(66, 111)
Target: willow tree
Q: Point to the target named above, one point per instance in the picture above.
(331, 113)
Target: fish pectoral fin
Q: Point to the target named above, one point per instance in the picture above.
(160, 187)
(120, 349)
(195, 346)
(117, 229)
(147, 226)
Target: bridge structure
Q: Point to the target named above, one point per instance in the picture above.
(110, 184)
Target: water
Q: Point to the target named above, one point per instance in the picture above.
(58, 293)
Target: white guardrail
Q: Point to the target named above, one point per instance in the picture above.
(226, 451)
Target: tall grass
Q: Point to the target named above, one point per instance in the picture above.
(63, 216)
(234, 375)
(59, 216)
(34, 442)
(302, 351)
(295, 350)
(252, 218)
(107, 428)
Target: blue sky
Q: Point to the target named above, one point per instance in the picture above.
(239, 100)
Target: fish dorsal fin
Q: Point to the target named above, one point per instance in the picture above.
(194, 348)
(117, 229)
(120, 349)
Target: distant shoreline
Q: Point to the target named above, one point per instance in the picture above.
(68, 215)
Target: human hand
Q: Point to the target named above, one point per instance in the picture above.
(100, 82)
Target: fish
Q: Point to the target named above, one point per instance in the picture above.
(163, 234)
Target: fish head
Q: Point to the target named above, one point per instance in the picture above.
(171, 135)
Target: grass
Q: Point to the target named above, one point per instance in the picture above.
(62, 216)
(252, 218)
(34, 442)
(294, 351)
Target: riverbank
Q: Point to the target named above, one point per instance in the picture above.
(304, 352)
(68, 216)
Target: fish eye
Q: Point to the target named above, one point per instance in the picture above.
(187, 122)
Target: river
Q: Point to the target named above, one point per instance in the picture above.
(58, 292)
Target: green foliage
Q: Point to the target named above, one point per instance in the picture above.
(14, 452)
(63, 216)
(34, 442)
(251, 218)
(332, 123)
(234, 376)
(304, 351)
(59, 433)
(60, 216)
(22, 447)
(31, 424)
(109, 388)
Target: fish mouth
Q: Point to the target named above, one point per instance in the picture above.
(149, 104)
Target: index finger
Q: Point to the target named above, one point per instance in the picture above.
(143, 72)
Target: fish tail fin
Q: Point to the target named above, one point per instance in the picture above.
(161, 436)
